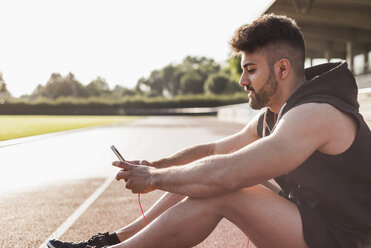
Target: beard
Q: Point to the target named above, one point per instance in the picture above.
(261, 98)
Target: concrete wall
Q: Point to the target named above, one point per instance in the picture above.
(239, 113)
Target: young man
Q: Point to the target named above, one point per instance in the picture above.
(311, 140)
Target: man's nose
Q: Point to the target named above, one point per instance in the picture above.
(243, 81)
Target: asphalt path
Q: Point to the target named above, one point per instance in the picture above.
(61, 185)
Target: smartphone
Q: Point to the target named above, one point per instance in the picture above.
(117, 153)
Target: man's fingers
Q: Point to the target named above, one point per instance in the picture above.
(123, 165)
(140, 162)
(127, 185)
(122, 174)
(135, 176)
(145, 162)
(134, 161)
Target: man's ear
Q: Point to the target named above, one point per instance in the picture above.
(282, 68)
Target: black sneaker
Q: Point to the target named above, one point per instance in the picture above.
(98, 241)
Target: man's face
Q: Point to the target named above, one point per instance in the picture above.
(258, 79)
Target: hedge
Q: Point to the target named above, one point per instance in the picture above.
(114, 107)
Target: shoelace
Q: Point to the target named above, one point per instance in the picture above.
(96, 238)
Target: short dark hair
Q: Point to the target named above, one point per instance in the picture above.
(277, 36)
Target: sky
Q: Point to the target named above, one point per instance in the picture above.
(119, 40)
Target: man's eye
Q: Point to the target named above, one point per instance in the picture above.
(250, 70)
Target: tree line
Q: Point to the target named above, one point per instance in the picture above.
(4, 93)
(194, 75)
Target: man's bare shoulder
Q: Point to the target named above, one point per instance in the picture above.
(309, 113)
(333, 129)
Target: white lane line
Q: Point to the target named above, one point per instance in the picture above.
(78, 212)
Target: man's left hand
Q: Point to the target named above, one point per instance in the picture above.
(137, 177)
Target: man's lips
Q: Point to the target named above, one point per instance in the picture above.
(250, 90)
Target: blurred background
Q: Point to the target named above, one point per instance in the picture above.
(128, 57)
(77, 76)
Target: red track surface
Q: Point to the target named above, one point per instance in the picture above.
(31, 215)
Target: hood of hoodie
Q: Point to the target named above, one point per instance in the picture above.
(327, 80)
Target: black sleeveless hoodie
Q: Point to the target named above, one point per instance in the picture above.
(336, 187)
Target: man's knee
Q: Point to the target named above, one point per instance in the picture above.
(222, 203)
(243, 198)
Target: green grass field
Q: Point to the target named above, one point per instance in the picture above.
(18, 126)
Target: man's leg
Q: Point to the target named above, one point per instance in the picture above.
(164, 203)
(265, 217)
(102, 239)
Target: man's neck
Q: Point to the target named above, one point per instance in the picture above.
(283, 94)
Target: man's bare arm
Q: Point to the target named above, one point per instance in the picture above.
(224, 146)
(301, 131)
(227, 145)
